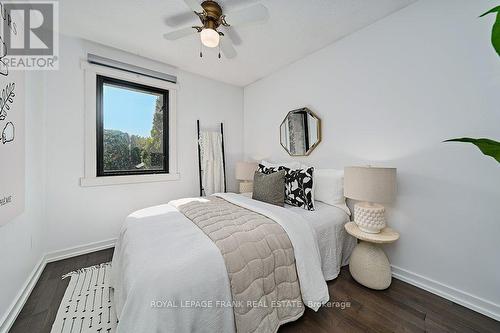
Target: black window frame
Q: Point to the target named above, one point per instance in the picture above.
(100, 82)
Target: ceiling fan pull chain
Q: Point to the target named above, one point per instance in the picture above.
(219, 50)
(201, 48)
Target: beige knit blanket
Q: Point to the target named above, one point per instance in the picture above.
(259, 260)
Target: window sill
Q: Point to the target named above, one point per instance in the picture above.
(122, 180)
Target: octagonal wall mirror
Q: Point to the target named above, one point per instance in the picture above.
(300, 132)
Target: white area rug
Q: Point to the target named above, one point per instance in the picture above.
(87, 305)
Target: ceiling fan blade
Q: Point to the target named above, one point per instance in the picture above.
(257, 13)
(194, 5)
(233, 35)
(179, 33)
(233, 5)
(227, 47)
(181, 19)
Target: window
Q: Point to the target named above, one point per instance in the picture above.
(123, 105)
(132, 128)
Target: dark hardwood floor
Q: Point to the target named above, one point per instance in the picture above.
(400, 308)
(40, 310)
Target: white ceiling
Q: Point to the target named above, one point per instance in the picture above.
(295, 29)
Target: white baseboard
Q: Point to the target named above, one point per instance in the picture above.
(10, 316)
(79, 250)
(22, 296)
(470, 301)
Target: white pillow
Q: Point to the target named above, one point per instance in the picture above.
(329, 187)
(289, 165)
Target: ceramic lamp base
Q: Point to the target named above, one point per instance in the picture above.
(246, 187)
(369, 217)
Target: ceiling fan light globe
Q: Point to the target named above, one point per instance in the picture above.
(209, 37)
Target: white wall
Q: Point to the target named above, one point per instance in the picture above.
(80, 215)
(388, 95)
(21, 240)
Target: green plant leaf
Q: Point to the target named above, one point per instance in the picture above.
(495, 33)
(488, 147)
(493, 10)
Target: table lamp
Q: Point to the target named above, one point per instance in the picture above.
(372, 186)
(244, 173)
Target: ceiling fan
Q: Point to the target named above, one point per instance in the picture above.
(212, 18)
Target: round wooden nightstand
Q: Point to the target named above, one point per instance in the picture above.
(369, 264)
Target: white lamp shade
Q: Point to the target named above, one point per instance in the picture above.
(370, 184)
(209, 37)
(245, 170)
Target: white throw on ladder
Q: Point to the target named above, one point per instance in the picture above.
(212, 167)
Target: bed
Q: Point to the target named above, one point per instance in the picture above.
(335, 244)
(168, 276)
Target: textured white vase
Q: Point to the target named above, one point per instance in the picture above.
(369, 217)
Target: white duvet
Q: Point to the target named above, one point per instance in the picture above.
(170, 277)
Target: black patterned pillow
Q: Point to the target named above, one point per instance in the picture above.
(298, 185)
